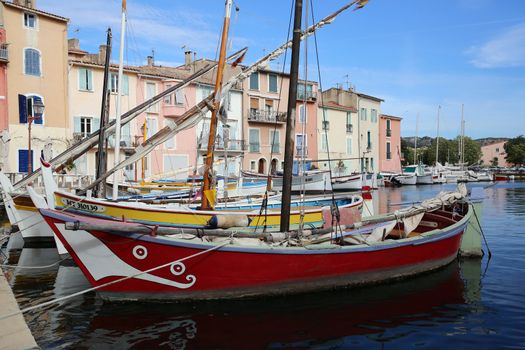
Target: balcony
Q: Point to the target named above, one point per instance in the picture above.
(388, 132)
(306, 95)
(326, 125)
(224, 145)
(4, 53)
(265, 116)
(349, 128)
(301, 151)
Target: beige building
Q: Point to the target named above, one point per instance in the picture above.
(366, 129)
(86, 78)
(337, 138)
(37, 70)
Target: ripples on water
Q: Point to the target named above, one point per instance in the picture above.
(467, 305)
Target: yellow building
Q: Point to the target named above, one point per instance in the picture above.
(36, 69)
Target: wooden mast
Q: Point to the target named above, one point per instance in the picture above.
(206, 184)
(290, 119)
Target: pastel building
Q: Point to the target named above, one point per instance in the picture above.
(389, 143)
(494, 154)
(365, 128)
(33, 67)
(336, 138)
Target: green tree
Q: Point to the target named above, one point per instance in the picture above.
(407, 153)
(494, 161)
(515, 149)
(472, 151)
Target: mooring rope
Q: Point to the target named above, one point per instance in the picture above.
(57, 300)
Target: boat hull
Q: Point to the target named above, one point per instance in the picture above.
(406, 179)
(424, 179)
(347, 183)
(213, 270)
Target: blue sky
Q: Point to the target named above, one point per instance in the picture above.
(415, 54)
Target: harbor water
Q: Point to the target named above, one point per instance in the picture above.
(470, 304)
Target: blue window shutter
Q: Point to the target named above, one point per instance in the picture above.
(22, 108)
(89, 79)
(125, 85)
(82, 79)
(23, 160)
(40, 120)
(76, 124)
(95, 125)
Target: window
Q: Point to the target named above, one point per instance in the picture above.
(252, 165)
(373, 115)
(254, 107)
(254, 81)
(23, 160)
(170, 143)
(372, 163)
(83, 126)
(272, 82)
(388, 128)
(25, 109)
(363, 114)
(152, 127)
(268, 107)
(275, 141)
(348, 145)
(114, 84)
(324, 143)
(349, 127)
(29, 20)
(369, 139)
(179, 97)
(168, 99)
(301, 145)
(255, 145)
(304, 93)
(151, 92)
(85, 79)
(32, 62)
(388, 152)
(302, 114)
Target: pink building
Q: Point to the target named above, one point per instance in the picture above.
(389, 143)
(494, 154)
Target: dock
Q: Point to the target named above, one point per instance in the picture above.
(14, 332)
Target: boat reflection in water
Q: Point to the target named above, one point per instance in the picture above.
(300, 321)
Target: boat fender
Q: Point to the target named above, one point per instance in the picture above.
(229, 220)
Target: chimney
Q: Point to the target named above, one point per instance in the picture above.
(102, 53)
(187, 58)
(26, 3)
(73, 44)
(151, 61)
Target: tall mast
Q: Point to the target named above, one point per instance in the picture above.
(101, 155)
(462, 144)
(290, 118)
(119, 97)
(206, 184)
(415, 139)
(437, 137)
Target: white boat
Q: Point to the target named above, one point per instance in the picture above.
(406, 179)
(352, 182)
(422, 177)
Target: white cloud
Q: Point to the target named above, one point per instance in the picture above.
(505, 50)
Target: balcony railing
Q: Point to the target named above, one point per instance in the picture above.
(225, 145)
(264, 116)
(4, 53)
(306, 95)
(301, 151)
(349, 128)
(388, 132)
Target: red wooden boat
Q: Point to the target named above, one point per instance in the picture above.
(123, 262)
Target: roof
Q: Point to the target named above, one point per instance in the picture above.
(33, 10)
(370, 97)
(390, 117)
(94, 64)
(331, 104)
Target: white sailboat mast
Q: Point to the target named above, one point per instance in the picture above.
(119, 97)
(437, 136)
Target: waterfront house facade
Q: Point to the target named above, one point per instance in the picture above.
(494, 154)
(35, 46)
(389, 143)
(336, 139)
